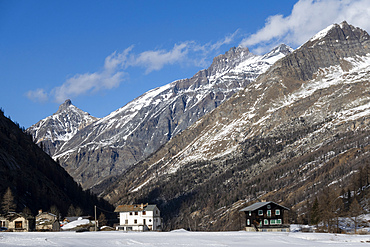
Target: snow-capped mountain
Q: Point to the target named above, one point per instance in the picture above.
(110, 145)
(301, 126)
(56, 130)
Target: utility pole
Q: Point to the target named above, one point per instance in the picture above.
(95, 215)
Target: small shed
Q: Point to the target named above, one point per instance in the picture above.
(265, 216)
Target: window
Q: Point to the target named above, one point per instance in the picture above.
(18, 224)
(250, 213)
(126, 222)
(144, 212)
(144, 221)
(260, 212)
(265, 222)
(136, 213)
(150, 220)
(268, 212)
(277, 211)
(275, 222)
(135, 221)
(130, 213)
(248, 222)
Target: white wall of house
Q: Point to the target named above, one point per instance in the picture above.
(140, 220)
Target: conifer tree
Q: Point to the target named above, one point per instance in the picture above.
(315, 213)
(7, 203)
(78, 211)
(71, 211)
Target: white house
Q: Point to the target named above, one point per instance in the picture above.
(140, 217)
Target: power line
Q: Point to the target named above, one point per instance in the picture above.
(109, 212)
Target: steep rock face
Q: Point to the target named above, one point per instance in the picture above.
(94, 155)
(55, 130)
(276, 137)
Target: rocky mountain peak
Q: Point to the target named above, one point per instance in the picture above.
(282, 48)
(58, 128)
(340, 32)
(329, 47)
(230, 59)
(65, 105)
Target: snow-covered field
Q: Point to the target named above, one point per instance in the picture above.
(180, 238)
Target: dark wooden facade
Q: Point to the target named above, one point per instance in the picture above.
(265, 216)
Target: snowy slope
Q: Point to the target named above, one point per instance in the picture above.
(339, 92)
(110, 145)
(155, 101)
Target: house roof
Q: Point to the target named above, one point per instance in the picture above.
(12, 215)
(150, 208)
(135, 208)
(258, 205)
(43, 213)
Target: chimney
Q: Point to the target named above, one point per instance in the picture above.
(40, 211)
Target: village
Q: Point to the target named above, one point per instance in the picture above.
(142, 217)
(260, 216)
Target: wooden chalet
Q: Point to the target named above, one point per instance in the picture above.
(266, 217)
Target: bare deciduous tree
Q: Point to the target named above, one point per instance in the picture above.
(355, 210)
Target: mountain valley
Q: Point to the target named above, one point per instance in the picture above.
(286, 126)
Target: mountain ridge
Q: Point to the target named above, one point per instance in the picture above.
(107, 146)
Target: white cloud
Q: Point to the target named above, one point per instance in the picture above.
(306, 19)
(38, 95)
(87, 83)
(116, 64)
(155, 60)
(117, 60)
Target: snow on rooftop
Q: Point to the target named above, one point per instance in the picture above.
(74, 224)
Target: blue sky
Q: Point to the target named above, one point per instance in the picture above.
(103, 54)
